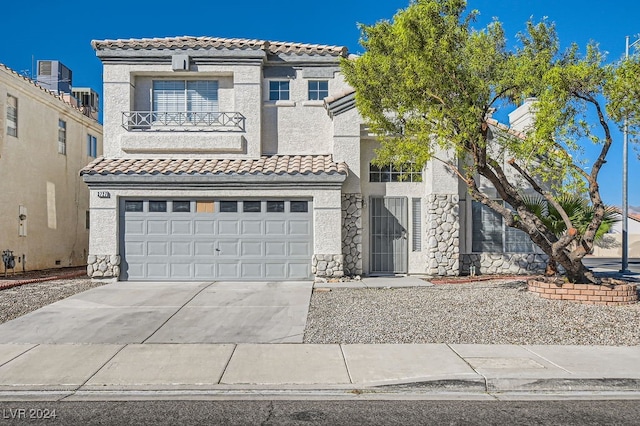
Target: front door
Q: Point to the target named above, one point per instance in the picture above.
(388, 235)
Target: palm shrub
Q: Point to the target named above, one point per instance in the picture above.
(580, 213)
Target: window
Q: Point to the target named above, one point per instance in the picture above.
(318, 89)
(157, 206)
(416, 222)
(278, 90)
(275, 206)
(62, 137)
(299, 207)
(92, 146)
(489, 233)
(133, 206)
(12, 116)
(87, 220)
(181, 206)
(228, 206)
(251, 206)
(391, 173)
(174, 99)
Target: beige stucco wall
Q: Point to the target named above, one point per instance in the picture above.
(47, 184)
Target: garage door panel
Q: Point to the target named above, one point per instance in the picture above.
(204, 270)
(228, 248)
(251, 227)
(181, 270)
(135, 269)
(299, 227)
(275, 270)
(300, 248)
(275, 227)
(275, 248)
(298, 271)
(134, 248)
(204, 227)
(157, 270)
(134, 227)
(157, 248)
(204, 248)
(251, 270)
(181, 227)
(157, 227)
(228, 271)
(181, 248)
(228, 227)
(251, 248)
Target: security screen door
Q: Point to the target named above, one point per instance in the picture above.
(388, 235)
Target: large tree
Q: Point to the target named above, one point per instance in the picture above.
(429, 81)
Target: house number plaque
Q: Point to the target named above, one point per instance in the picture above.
(104, 194)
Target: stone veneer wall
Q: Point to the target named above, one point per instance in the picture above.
(327, 265)
(103, 266)
(443, 234)
(504, 263)
(352, 233)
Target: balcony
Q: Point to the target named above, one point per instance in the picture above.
(183, 121)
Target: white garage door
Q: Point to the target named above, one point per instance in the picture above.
(173, 239)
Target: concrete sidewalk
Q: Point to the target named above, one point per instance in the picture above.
(139, 371)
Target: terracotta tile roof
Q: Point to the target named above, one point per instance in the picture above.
(189, 42)
(276, 164)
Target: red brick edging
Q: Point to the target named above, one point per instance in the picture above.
(10, 284)
(605, 294)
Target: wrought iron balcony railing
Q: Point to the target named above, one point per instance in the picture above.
(184, 120)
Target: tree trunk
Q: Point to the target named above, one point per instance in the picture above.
(576, 271)
(552, 267)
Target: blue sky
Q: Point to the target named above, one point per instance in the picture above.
(39, 30)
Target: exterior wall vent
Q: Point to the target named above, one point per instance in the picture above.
(180, 62)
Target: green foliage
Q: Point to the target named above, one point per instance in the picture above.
(577, 208)
(429, 81)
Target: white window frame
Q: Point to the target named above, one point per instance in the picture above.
(186, 99)
(62, 137)
(316, 93)
(12, 115)
(92, 146)
(280, 91)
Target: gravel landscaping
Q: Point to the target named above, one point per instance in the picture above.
(486, 312)
(490, 312)
(20, 300)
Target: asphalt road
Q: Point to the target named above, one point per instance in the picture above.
(283, 412)
(612, 263)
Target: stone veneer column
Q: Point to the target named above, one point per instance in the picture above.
(327, 265)
(443, 234)
(103, 266)
(352, 233)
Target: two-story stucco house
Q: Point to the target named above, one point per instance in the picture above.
(46, 137)
(236, 159)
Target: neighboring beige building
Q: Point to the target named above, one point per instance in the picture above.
(611, 246)
(238, 159)
(44, 142)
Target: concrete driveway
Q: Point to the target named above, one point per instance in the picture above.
(163, 312)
